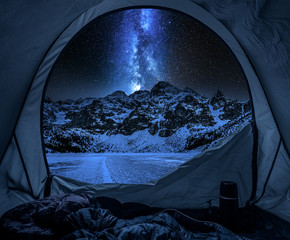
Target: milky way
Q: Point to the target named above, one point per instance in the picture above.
(141, 64)
(133, 49)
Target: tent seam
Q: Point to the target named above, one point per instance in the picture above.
(23, 165)
(48, 181)
(270, 172)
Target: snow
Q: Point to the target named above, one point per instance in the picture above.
(216, 113)
(198, 111)
(106, 175)
(178, 139)
(159, 118)
(131, 168)
(136, 158)
(136, 142)
(60, 118)
(119, 118)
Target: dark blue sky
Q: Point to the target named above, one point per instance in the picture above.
(134, 49)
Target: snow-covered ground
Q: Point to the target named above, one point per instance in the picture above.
(132, 168)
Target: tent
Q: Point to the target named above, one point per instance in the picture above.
(33, 35)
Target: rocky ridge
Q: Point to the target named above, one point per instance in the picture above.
(165, 119)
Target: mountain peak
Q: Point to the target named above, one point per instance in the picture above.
(47, 99)
(218, 100)
(162, 88)
(140, 95)
(219, 94)
(118, 94)
(190, 91)
(163, 84)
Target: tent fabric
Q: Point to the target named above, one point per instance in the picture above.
(195, 184)
(27, 32)
(32, 37)
(29, 123)
(276, 198)
(262, 28)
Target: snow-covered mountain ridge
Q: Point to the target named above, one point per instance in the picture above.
(165, 119)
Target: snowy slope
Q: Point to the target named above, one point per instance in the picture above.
(166, 119)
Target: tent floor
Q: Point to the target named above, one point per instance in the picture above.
(268, 226)
(252, 222)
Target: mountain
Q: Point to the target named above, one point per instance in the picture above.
(165, 119)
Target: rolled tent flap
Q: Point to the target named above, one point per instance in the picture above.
(195, 184)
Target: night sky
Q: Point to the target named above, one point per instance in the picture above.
(133, 49)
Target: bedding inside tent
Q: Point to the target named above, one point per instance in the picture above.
(255, 156)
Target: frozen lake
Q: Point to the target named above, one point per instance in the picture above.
(116, 167)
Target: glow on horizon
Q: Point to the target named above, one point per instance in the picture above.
(135, 87)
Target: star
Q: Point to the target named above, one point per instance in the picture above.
(134, 49)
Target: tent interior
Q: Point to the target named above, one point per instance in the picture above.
(230, 182)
